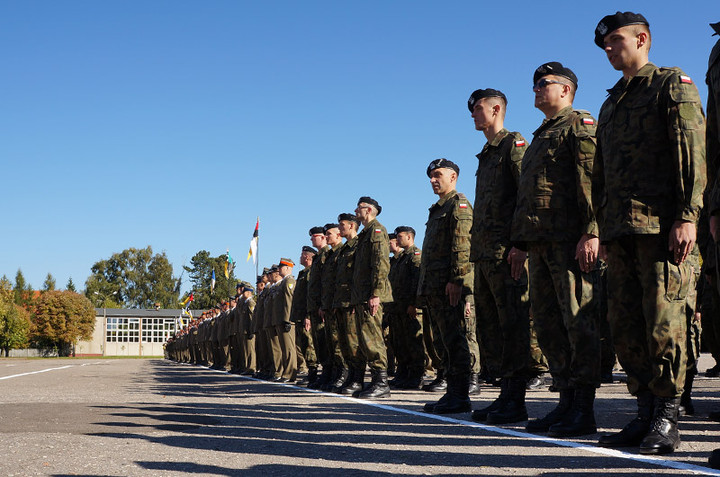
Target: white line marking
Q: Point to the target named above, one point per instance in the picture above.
(36, 372)
(670, 464)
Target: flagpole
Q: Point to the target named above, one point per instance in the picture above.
(257, 262)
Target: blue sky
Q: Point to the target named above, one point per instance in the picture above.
(176, 123)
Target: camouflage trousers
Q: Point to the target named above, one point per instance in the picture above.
(502, 308)
(407, 337)
(694, 325)
(607, 349)
(647, 296)
(564, 315)
(370, 337)
(332, 338)
(433, 342)
(538, 362)
(317, 330)
(305, 347)
(348, 337)
(457, 332)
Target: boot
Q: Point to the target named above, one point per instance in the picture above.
(635, 431)
(340, 380)
(430, 406)
(481, 415)
(714, 459)
(687, 408)
(473, 385)
(336, 373)
(379, 387)
(563, 407)
(400, 377)
(513, 407)
(580, 421)
(323, 379)
(413, 380)
(438, 385)
(458, 399)
(312, 376)
(663, 437)
(354, 383)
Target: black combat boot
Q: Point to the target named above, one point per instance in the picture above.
(413, 380)
(325, 376)
(635, 431)
(580, 420)
(481, 415)
(438, 385)
(663, 437)
(513, 408)
(563, 407)
(457, 396)
(379, 387)
(687, 408)
(340, 380)
(473, 385)
(354, 382)
(400, 377)
(312, 376)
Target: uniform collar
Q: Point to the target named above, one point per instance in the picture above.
(564, 112)
(644, 72)
(499, 137)
(446, 197)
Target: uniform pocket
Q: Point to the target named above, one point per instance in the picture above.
(677, 281)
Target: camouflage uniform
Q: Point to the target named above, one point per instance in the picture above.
(446, 259)
(335, 357)
(503, 304)
(314, 300)
(649, 173)
(344, 313)
(554, 209)
(303, 339)
(370, 278)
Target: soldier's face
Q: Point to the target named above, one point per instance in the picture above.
(306, 259)
(404, 239)
(362, 211)
(333, 236)
(622, 47)
(345, 227)
(551, 93)
(442, 180)
(318, 241)
(483, 114)
(394, 247)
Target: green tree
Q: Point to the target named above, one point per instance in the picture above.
(133, 278)
(14, 320)
(70, 285)
(49, 283)
(200, 271)
(62, 318)
(23, 291)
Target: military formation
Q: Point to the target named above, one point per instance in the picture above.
(590, 241)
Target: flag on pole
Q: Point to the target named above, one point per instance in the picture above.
(212, 281)
(229, 265)
(254, 243)
(187, 299)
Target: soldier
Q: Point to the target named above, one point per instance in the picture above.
(446, 283)
(245, 331)
(281, 320)
(390, 324)
(335, 358)
(299, 316)
(408, 331)
(554, 222)
(271, 332)
(649, 179)
(314, 301)
(233, 331)
(262, 351)
(501, 282)
(371, 288)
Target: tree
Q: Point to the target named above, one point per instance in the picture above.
(23, 291)
(14, 320)
(62, 318)
(200, 271)
(70, 285)
(134, 278)
(49, 283)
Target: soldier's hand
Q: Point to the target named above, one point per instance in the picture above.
(516, 258)
(307, 324)
(468, 309)
(715, 227)
(322, 315)
(453, 293)
(411, 311)
(682, 239)
(374, 304)
(586, 252)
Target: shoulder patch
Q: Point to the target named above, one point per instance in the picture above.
(685, 79)
(417, 252)
(290, 285)
(520, 143)
(588, 121)
(462, 205)
(378, 231)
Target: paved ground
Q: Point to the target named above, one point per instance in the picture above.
(152, 417)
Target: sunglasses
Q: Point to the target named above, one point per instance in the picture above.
(544, 82)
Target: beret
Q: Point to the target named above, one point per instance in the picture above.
(309, 250)
(287, 262)
(239, 285)
(266, 270)
(371, 201)
(392, 236)
(349, 217)
(557, 69)
(259, 278)
(327, 227)
(442, 163)
(611, 23)
(484, 93)
(316, 230)
(404, 228)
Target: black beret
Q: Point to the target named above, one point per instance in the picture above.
(392, 236)
(329, 226)
(557, 69)
(309, 250)
(611, 23)
(239, 285)
(349, 218)
(484, 93)
(316, 230)
(371, 201)
(259, 278)
(404, 228)
(442, 163)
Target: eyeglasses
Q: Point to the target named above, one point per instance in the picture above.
(544, 82)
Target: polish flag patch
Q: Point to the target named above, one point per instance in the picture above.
(685, 79)
(519, 143)
(588, 121)
(463, 205)
(377, 231)
(417, 253)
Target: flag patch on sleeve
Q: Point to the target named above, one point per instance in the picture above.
(417, 253)
(377, 231)
(463, 205)
(588, 121)
(685, 79)
(519, 143)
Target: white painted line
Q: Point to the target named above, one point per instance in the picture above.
(36, 372)
(646, 459)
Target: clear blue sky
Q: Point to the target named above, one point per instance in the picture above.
(175, 123)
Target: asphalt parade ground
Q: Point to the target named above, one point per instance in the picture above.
(151, 417)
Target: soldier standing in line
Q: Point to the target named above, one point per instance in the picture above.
(649, 179)
(389, 324)
(299, 316)
(314, 301)
(555, 223)
(335, 358)
(344, 313)
(269, 326)
(446, 283)
(246, 306)
(236, 342)
(261, 351)
(501, 282)
(370, 288)
(281, 320)
(408, 330)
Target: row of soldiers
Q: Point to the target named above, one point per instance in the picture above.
(632, 181)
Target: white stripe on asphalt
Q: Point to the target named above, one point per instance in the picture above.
(36, 372)
(670, 464)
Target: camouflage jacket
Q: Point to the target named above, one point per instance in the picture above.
(282, 300)
(257, 322)
(496, 183)
(650, 165)
(371, 265)
(446, 248)
(405, 275)
(299, 303)
(344, 274)
(314, 292)
(713, 125)
(554, 200)
(328, 277)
